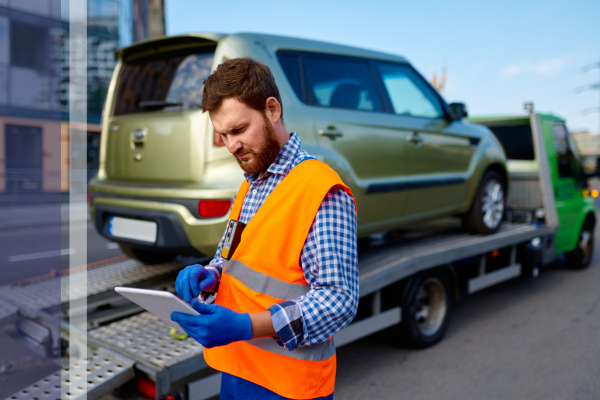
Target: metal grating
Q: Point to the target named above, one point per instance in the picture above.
(7, 312)
(83, 379)
(146, 338)
(54, 291)
(47, 388)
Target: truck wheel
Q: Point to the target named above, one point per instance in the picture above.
(487, 211)
(146, 256)
(426, 309)
(581, 256)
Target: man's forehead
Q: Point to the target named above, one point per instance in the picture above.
(231, 115)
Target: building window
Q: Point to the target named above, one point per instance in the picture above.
(23, 158)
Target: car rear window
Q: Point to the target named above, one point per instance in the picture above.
(516, 140)
(169, 82)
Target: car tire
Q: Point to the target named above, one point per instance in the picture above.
(581, 256)
(487, 212)
(146, 256)
(426, 309)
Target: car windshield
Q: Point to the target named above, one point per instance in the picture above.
(168, 82)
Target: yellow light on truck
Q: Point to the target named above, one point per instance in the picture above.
(586, 193)
(595, 193)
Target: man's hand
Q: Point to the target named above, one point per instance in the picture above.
(217, 326)
(193, 279)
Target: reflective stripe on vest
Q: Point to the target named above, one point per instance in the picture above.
(265, 284)
(265, 270)
(316, 352)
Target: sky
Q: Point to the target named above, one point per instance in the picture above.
(498, 54)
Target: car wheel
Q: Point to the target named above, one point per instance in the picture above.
(146, 256)
(426, 309)
(487, 211)
(581, 256)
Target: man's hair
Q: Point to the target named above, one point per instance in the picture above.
(249, 81)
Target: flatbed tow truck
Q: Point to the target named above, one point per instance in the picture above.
(408, 281)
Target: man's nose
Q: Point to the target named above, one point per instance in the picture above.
(233, 145)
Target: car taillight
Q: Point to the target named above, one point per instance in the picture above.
(89, 196)
(146, 387)
(213, 208)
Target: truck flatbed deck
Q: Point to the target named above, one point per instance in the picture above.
(140, 340)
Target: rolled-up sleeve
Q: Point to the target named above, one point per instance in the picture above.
(330, 265)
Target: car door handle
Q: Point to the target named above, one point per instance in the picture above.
(415, 139)
(330, 133)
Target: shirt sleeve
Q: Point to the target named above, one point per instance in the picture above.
(330, 265)
(216, 264)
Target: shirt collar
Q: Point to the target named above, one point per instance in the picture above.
(284, 162)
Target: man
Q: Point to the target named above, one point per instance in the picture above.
(292, 282)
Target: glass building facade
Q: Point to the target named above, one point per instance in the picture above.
(34, 88)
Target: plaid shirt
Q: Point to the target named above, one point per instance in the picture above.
(328, 258)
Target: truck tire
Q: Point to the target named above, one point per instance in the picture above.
(146, 256)
(426, 309)
(581, 256)
(487, 211)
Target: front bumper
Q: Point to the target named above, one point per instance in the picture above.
(178, 232)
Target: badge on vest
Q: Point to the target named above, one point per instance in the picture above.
(232, 238)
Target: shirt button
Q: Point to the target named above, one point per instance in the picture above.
(254, 191)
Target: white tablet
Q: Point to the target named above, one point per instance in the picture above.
(159, 303)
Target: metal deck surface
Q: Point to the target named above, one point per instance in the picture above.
(402, 253)
(7, 312)
(55, 291)
(144, 337)
(83, 379)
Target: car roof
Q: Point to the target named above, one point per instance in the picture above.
(272, 43)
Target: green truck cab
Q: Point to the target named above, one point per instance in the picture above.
(539, 141)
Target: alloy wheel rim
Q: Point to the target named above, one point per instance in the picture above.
(492, 203)
(431, 306)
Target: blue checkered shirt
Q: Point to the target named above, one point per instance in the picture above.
(328, 258)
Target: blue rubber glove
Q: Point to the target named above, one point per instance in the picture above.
(193, 279)
(217, 326)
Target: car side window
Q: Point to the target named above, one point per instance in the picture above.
(408, 93)
(291, 67)
(342, 83)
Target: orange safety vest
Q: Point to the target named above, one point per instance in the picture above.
(264, 270)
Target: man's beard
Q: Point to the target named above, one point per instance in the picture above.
(264, 156)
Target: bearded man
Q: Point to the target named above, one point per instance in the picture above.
(286, 268)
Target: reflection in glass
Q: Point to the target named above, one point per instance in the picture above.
(39, 7)
(3, 85)
(343, 84)
(170, 80)
(31, 89)
(407, 94)
(4, 41)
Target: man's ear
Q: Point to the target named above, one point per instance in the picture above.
(273, 109)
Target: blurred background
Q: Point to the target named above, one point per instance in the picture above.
(492, 56)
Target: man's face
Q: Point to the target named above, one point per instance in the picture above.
(248, 135)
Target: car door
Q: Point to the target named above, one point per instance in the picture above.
(438, 155)
(568, 190)
(357, 137)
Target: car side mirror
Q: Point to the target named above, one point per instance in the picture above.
(458, 111)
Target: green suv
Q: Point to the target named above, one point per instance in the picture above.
(165, 182)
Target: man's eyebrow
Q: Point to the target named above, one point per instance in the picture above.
(233, 128)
